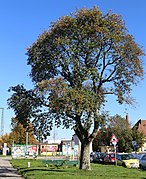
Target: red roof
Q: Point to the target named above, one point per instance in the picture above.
(141, 126)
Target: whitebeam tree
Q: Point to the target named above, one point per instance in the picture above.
(80, 60)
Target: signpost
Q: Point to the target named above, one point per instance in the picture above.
(114, 141)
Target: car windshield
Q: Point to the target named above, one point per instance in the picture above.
(127, 156)
(112, 155)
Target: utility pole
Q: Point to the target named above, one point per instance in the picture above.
(2, 122)
(27, 128)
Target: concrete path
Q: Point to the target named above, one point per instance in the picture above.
(6, 169)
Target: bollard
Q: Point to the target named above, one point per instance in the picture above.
(28, 164)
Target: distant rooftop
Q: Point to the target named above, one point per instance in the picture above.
(141, 126)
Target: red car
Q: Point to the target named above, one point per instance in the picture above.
(110, 158)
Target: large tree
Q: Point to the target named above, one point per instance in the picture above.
(80, 60)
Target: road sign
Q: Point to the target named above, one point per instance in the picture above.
(114, 139)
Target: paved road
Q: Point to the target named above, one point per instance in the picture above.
(6, 169)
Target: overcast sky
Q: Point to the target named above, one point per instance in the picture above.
(23, 21)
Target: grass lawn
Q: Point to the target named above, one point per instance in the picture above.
(38, 170)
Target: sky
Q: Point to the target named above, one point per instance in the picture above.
(21, 22)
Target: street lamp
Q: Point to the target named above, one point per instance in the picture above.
(72, 146)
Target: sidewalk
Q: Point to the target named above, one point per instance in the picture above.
(6, 169)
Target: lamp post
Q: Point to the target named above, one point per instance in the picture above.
(72, 146)
(27, 129)
(26, 141)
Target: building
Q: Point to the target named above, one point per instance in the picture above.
(64, 147)
(140, 126)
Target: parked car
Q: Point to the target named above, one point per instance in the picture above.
(127, 160)
(142, 162)
(109, 158)
(91, 157)
(138, 155)
(98, 157)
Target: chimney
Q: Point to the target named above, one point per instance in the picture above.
(127, 119)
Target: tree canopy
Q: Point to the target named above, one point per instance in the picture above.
(80, 60)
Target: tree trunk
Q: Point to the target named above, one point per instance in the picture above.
(85, 156)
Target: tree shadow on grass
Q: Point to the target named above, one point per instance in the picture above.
(8, 172)
(42, 169)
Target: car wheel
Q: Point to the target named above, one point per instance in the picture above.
(123, 164)
(140, 167)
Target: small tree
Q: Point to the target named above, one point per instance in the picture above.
(139, 138)
(4, 139)
(75, 65)
(121, 128)
(18, 134)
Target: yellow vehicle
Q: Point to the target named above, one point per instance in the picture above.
(127, 160)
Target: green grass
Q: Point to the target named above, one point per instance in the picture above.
(38, 170)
